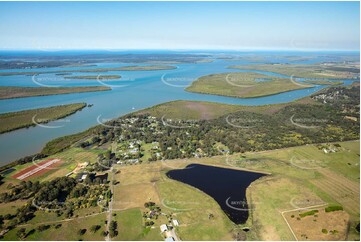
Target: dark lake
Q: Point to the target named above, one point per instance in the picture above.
(226, 186)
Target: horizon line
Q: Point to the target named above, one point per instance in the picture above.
(180, 49)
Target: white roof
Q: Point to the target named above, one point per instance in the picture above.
(175, 222)
(163, 227)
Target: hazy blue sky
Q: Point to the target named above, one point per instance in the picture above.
(180, 25)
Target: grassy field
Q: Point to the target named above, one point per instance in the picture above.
(70, 159)
(330, 226)
(152, 185)
(243, 85)
(305, 71)
(68, 230)
(131, 227)
(95, 77)
(28, 118)
(18, 92)
(299, 177)
(288, 187)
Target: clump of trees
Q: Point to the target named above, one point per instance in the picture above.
(113, 226)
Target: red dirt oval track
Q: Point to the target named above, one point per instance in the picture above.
(37, 169)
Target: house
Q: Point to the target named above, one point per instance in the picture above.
(163, 228)
(175, 222)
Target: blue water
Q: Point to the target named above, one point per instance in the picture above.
(134, 91)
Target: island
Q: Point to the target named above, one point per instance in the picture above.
(244, 85)
(7, 92)
(323, 70)
(102, 77)
(27, 118)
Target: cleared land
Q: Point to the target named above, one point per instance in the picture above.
(102, 77)
(293, 185)
(28, 118)
(288, 187)
(306, 71)
(63, 230)
(320, 225)
(243, 85)
(37, 169)
(18, 92)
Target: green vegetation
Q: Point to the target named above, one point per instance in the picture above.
(113, 229)
(28, 118)
(306, 71)
(130, 224)
(243, 85)
(18, 92)
(308, 213)
(263, 139)
(61, 143)
(333, 208)
(101, 77)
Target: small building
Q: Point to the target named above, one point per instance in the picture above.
(175, 222)
(163, 228)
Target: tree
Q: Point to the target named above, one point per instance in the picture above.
(81, 232)
(95, 228)
(113, 229)
(21, 234)
(41, 228)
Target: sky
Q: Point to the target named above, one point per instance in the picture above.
(180, 25)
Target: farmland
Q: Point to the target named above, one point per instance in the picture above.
(289, 177)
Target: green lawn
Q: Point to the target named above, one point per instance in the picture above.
(130, 226)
